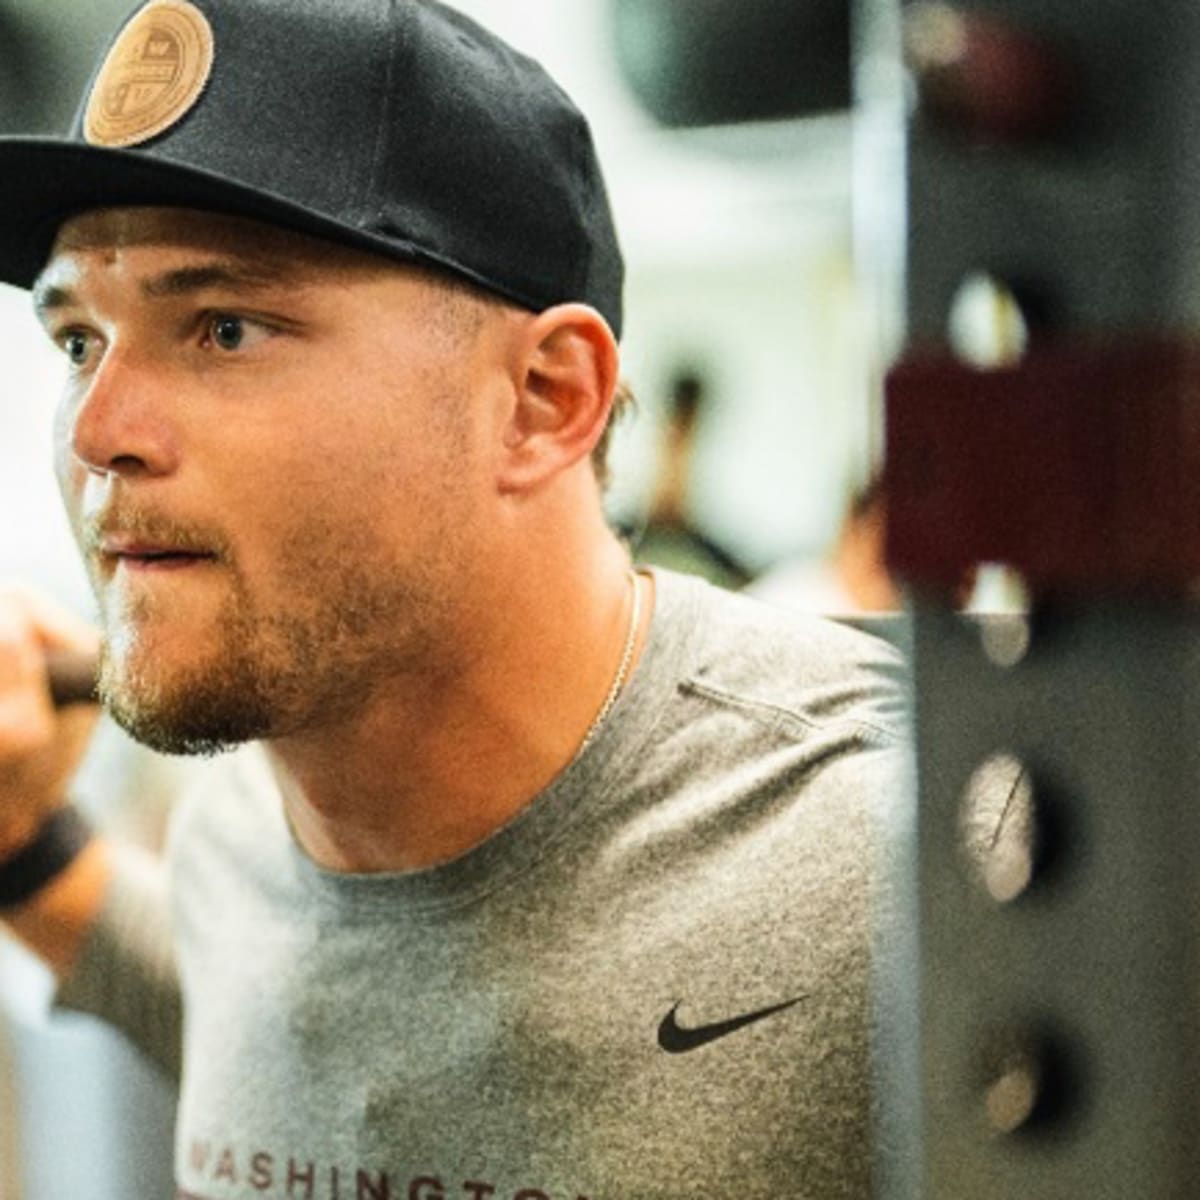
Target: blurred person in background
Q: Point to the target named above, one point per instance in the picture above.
(853, 577)
(669, 537)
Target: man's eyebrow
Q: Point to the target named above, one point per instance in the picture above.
(234, 276)
(48, 297)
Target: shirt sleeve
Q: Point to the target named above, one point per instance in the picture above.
(126, 973)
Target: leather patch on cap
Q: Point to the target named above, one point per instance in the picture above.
(153, 75)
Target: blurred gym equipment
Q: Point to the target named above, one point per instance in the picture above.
(711, 62)
(1054, 152)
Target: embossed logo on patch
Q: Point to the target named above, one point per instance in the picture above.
(153, 75)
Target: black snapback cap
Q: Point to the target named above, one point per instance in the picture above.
(399, 126)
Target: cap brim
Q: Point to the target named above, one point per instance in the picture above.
(48, 181)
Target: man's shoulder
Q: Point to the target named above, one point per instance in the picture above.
(818, 671)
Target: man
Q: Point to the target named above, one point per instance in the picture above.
(551, 879)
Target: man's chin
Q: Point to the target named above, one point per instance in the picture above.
(205, 716)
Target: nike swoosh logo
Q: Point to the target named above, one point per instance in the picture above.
(674, 1039)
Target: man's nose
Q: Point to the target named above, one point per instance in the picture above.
(123, 423)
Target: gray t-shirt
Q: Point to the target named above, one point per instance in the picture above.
(652, 984)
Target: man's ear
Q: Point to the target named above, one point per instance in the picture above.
(567, 372)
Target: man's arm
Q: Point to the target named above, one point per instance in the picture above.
(55, 922)
(93, 910)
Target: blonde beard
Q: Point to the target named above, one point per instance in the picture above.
(278, 674)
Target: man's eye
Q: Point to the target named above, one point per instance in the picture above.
(77, 346)
(229, 332)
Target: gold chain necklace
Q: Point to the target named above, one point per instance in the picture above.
(622, 670)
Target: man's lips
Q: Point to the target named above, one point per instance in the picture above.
(149, 556)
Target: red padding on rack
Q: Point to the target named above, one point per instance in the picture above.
(1080, 467)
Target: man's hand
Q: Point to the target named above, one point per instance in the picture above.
(40, 750)
(40, 747)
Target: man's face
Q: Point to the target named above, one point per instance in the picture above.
(274, 457)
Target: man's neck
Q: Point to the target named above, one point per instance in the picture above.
(424, 774)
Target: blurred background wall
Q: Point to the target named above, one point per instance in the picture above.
(738, 241)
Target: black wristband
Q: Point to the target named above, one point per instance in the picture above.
(57, 844)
